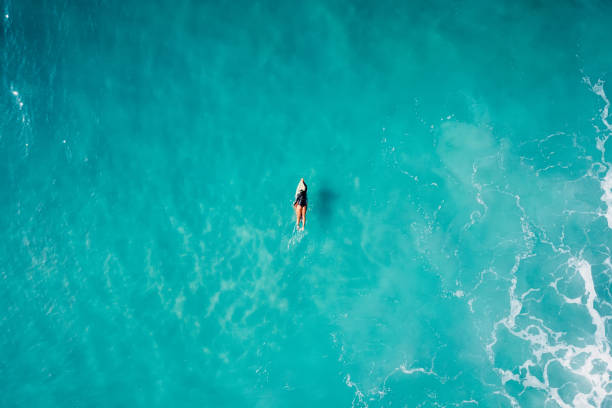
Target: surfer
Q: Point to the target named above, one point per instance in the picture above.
(300, 204)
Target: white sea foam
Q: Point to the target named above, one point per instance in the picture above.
(545, 341)
(606, 186)
(378, 393)
(606, 182)
(584, 268)
(476, 215)
(359, 399)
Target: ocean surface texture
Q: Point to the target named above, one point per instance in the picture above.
(458, 245)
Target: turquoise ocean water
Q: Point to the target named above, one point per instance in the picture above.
(457, 251)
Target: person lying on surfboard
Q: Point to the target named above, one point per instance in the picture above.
(300, 204)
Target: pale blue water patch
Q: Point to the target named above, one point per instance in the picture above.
(457, 245)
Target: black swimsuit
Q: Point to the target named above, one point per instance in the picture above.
(301, 199)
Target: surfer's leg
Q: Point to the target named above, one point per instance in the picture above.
(298, 214)
(303, 216)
